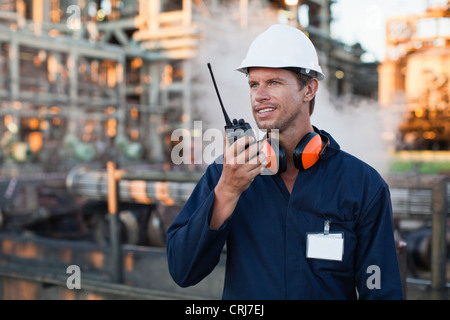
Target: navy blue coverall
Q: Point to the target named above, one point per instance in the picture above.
(266, 234)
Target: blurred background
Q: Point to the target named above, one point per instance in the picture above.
(84, 83)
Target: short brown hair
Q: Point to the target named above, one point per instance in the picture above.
(303, 80)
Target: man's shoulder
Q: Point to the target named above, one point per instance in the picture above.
(354, 166)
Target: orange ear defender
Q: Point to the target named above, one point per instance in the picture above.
(307, 152)
(275, 157)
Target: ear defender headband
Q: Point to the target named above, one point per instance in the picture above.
(308, 151)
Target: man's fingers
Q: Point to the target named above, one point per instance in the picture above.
(250, 154)
(236, 150)
(241, 143)
(226, 142)
(256, 170)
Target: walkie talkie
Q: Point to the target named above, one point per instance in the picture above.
(237, 128)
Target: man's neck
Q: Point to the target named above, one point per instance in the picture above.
(289, 140)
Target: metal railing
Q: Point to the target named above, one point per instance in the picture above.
(425, 196)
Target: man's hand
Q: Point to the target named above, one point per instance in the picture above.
(241, 164)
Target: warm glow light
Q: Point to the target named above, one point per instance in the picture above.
(101, 15)
(429, 135)
(44, 125)
(111, 127)
(35, 141)
(134, 134)
(33, 124)
(54, 110)
(112, 80)
(8, 119)
(136, 63)
(167, 76)
(134, 112)
(56, 121)
(291, 2)
(119, 72)
(339, 74)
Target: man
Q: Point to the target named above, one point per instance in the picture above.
(320, 232)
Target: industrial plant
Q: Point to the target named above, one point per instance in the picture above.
(91, 92)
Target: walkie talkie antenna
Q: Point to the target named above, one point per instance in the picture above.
(227, 119)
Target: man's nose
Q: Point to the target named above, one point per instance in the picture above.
(262, 94)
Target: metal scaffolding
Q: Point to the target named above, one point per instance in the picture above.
(67, 79)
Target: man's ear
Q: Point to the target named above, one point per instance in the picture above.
(311, 89)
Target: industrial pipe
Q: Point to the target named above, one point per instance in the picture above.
(144, 188)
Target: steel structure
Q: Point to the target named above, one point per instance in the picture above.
(415, 73)
(68, 80)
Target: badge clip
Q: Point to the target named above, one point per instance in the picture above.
(326, 227)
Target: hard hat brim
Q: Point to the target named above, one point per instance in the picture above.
(312, 73)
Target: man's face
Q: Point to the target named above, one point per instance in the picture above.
(276, 97)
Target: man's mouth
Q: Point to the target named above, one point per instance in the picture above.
(265, 110)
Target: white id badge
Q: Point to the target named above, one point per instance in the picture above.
(326, 245)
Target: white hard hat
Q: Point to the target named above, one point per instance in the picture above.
(283, 46)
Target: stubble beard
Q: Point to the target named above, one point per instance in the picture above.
(281, 123)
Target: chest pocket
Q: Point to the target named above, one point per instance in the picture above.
(344, 268)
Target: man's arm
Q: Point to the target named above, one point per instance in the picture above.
(193, 248)
(377, 269)
(196, 237)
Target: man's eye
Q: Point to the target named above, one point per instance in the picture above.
(274, 83)
(253, 85)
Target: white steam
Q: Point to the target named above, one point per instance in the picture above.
(359, 125)
(225, 44)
